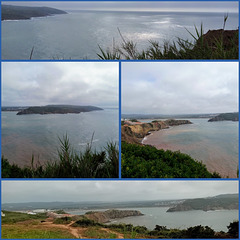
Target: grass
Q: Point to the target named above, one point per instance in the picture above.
(179, 49)
(33, 232)
(15, 217)
(98, 233)
(70, 164)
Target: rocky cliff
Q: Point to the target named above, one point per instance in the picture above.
(106, 216)
(135, 132)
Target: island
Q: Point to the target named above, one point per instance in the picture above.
(58, 109)
(133, 131)
(220, 202)
(107, 216)
(11, 12)
(225, 117)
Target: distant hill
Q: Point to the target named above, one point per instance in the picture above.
(10, 12)
(58, 109)
(225, 117)
(220, 202)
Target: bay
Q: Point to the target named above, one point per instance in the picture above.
(213, 143)
(76, 35)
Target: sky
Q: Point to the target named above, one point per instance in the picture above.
(197, 6)
(74, 83)
(110, 191)
(179, 87)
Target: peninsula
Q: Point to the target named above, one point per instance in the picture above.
(225, 117)
(133, 131)
(220, 202)
(58, 109)
(10, 12)
(107, 216)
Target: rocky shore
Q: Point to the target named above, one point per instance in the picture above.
(134, 132)
(107, 216)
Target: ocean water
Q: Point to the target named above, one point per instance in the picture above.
(213, 143)
(24, 135)
(217, 220)
(76, 35)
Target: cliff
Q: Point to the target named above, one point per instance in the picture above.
(225, 117)
(221, 202)
(58, 109)
(106, 216)
(10, 12)
(134, 132)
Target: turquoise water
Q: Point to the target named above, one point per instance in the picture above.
(77, 35)
(213, 143)
(24, 135)
(217, 220)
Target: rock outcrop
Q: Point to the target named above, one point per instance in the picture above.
(107, 216)
(134, 133)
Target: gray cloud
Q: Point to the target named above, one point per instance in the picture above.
(204, 6)
(179, 87)
(41, 83)
(28, 191)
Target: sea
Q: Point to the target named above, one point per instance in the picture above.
(38, 135)
(78, 34)
(217, 220)
(213, 143)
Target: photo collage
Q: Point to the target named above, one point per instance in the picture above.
(120, 119)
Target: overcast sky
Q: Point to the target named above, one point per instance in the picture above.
(204, 6)
(77, 83)
(179, 87)
(77, 191)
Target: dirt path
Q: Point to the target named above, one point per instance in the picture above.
(72, 230)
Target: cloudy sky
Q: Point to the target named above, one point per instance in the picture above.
(196, 6)
(77, 83)
(179, 87)
(77, 191)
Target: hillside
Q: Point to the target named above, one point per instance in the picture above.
(220, 202)
(225, 117)
(10, 12)
(142, 161)
(58, 109)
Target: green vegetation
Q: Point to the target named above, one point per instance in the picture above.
(216, 44)
(63, 220)
(15, 217)
(148, 162)
(33, 232)
(133, 120)
(70, 164)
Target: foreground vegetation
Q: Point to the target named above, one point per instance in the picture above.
(29, 226)
(70, 164)
(148, 162)
(216, 44)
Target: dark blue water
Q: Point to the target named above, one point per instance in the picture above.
(77, 35)
(217, 220)
(24, 135)
(213, 143)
